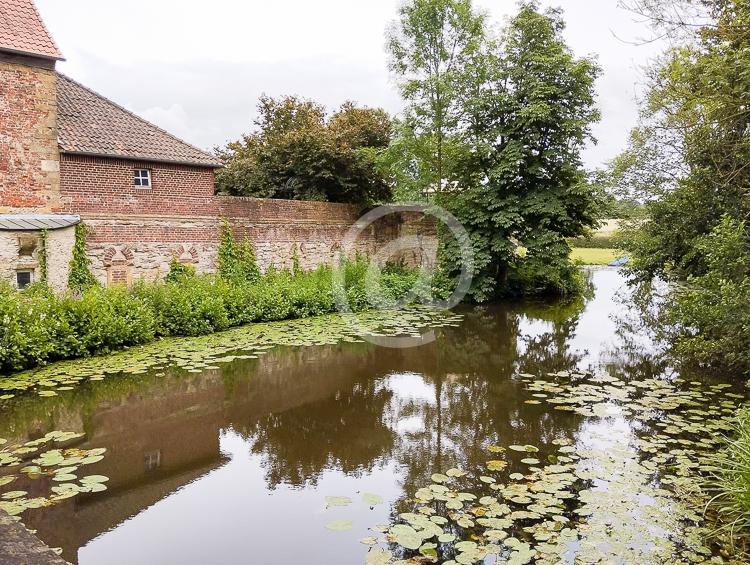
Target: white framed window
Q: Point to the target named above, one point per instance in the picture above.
(142, 178)
(24, 278)
(152, 460)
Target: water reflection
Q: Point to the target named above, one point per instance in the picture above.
(235, 462)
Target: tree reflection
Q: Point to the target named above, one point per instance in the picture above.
(474, 401)
(346, 431)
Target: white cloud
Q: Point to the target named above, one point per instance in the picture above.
(197, 69)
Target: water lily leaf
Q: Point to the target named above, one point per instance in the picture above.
(340, 526)
(464, 546)
(369, 541)
(94, 487)
(525, 448)
(372, 499)
(439, 478)
(406, 536)
(454, 504)
(94, 479)
(496, 465)
(429, 550)
(378, 556)
(334, 501)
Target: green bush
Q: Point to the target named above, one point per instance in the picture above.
(179, 271)
(103, 320)
(28, 328)
(190, 307)
(39, 327)
(710, 312)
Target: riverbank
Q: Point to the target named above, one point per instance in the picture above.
(20, 546)
(594, 256)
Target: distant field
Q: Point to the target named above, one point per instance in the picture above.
(595, 256)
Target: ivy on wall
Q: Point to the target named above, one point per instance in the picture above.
(43, 257)
(80, 277)
(296, 267)
(237, 261)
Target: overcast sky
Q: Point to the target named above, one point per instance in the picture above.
(196, 68)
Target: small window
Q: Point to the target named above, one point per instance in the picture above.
(142, 178)
(24, 279)
(152, 460)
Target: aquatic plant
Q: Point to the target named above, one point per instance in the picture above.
(49, 458)
(607, 496)
(197, 353)
(731, 485)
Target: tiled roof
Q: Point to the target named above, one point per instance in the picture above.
(22, 30)
(90, 124)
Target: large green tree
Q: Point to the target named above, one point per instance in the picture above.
(698, 96)
(297, 151)
(695, 235)
(522, 187)
(434, 48)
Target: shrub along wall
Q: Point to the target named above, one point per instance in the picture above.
(40, 327)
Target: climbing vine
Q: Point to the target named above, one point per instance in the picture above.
(43, 257)
(296, 267)
(80, 277)
(237, 261)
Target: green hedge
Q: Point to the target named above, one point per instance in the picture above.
(39, 327)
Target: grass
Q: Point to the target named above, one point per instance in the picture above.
(595, 256)
(731, 489)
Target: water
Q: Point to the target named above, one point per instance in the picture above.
(233, 465)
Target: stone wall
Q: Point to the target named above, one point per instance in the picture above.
(20, 251)
(126, 248)
(29, 155)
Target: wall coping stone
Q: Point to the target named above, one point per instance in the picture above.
(19, 545)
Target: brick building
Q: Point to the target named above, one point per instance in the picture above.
(69, 155)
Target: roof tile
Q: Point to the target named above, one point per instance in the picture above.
(22, 30)
(90, 124)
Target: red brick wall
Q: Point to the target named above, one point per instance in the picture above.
(96, 185)
(29, 156)
(294, 211)
(179, 217)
